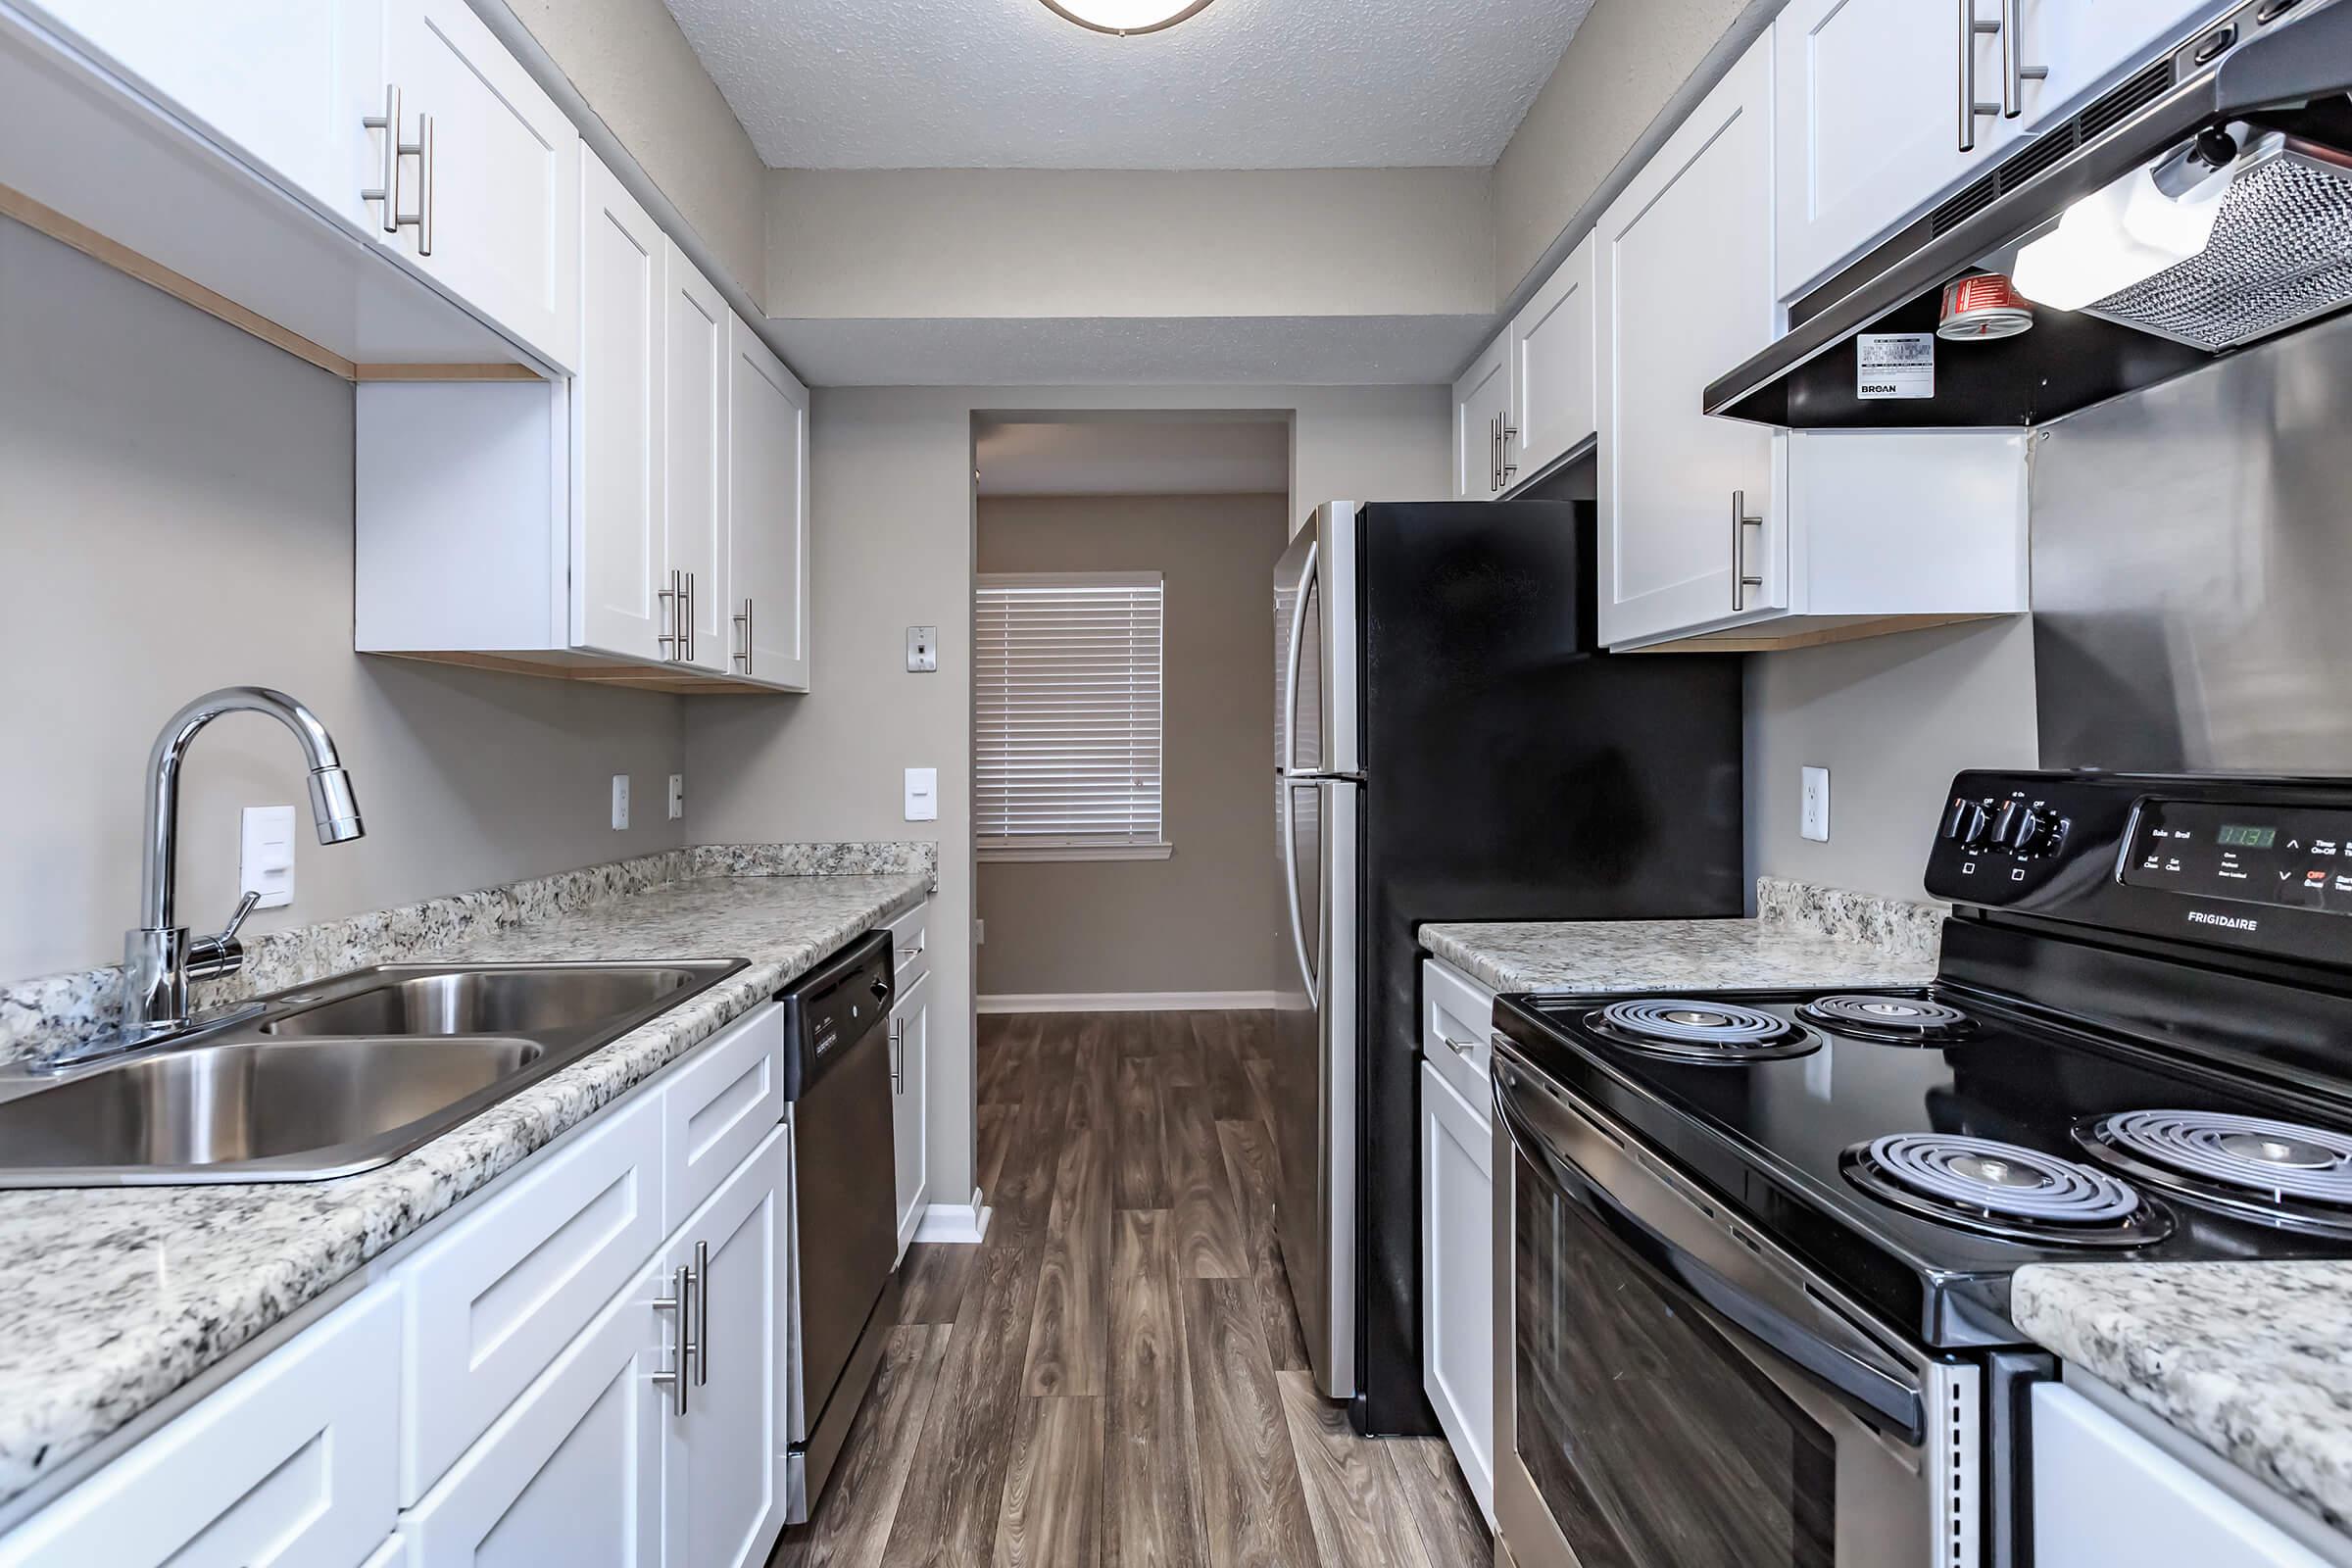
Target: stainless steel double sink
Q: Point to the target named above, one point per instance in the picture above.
(328, 1079)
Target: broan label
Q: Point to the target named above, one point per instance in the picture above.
(1895, 365)
(2228, 922)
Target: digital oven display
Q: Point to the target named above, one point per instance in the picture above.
(2294, 857)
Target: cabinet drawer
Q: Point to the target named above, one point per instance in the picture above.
(1458, 1030)
(492, 1302)
(718, 1108)
(291, 1465)
(910, 944)
(572, 1473)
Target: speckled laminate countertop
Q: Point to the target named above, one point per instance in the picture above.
(2254, 1360)
(1802, 936)
(118, 1296)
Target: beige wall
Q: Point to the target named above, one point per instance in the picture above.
(175, 515)
(628, 59)
(1892, 718)
(946, 243)
(892, 547)
(1209, 916)
(1632, 71)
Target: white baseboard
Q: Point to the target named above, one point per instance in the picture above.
(966, 1223)
(1133, 1001)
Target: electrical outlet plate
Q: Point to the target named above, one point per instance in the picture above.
(922, 649)
(1813, 813)
(620, 802)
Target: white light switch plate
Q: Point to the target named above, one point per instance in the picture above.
(922, 794)
(620, 802)
(265, 855)
(1814, 811)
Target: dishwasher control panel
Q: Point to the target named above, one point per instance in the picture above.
(833, 1007)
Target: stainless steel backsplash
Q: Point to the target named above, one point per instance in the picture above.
(2192, 569)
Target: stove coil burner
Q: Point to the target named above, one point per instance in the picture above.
(2263, 1169)
(1892, 1021)
(1700, 1031)
(2004, 1190)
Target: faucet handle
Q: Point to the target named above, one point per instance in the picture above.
(210, 957)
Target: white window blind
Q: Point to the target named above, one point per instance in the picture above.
(1067, 711)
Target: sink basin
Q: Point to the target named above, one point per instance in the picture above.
(327, 1078)
(485, 1001)
(252, 1102)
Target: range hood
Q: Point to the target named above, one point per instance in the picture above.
(2242, 127)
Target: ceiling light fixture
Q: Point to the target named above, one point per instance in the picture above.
(1126, 18)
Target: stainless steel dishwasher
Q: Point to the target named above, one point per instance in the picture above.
(845, 1282)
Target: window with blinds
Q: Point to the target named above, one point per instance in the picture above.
(1066, 715)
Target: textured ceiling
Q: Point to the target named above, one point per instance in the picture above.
(1096, 351)
(1134, 458)
(1245, 84)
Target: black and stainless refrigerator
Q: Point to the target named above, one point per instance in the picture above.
(1450, 744)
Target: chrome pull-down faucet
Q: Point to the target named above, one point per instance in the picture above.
(159, 956)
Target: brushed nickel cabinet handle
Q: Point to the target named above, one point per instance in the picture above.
(2015, 73)
(743, 626)
(898, 1056)
(681, 1301)
(686, 626)
(1742, 579)
(425, 168)
(389, 190)
(1969, 108)
(1510, 469)
(1460, 1047)
(701, 1313)
(670, 640)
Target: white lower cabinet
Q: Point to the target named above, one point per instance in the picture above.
(291, 1464)
(2104, 1493)
(722, 1487)
(911, 1088)
(572, 1473)
(1457, 1284)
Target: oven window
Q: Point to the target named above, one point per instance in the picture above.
(1654, 1441)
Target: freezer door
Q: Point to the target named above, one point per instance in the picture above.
(1316, 642)
(1315, 1074)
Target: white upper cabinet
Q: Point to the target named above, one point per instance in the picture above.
(1482, 412)
(767, 515)
(616, 425)
(695, 326)
(494, 184)
(1882, 112)
(1691, 525)
(284, 86)
(1554, 394)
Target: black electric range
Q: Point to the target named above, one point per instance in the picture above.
(1765, 1238)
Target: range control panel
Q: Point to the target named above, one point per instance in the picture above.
(2299, 858)
(2256, 864)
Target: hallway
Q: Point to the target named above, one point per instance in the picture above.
(1117, 1375)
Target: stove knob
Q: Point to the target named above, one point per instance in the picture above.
(1965, 824)
(2022, 828)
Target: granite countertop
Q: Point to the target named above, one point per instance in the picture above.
(2253, 1360)
(120, 1295)
(1802, 936)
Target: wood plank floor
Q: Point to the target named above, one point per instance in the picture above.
(1117, 1375)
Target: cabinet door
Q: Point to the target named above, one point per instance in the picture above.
(1684, 280)
(695, 470)
(1552, 392)
(289, 1465)
(911, 1118)
(723, 1495)
(571, 1473)
(1869, 123)
(768, 514)
(286, 87)
(1458, 1278)
(2104, 1494)
(501, 179)
(1482, 408)
(2086, 46)
(616, 410)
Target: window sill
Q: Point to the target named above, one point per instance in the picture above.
(1079, 851)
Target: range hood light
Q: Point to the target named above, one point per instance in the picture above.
(2124, 234)
(1126, 18)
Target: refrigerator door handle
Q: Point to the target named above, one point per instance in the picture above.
(1290, 691)
(1289, 878)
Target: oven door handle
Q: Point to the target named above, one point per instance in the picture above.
(1889, 1401)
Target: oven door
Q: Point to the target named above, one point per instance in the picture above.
(1676, 1392)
